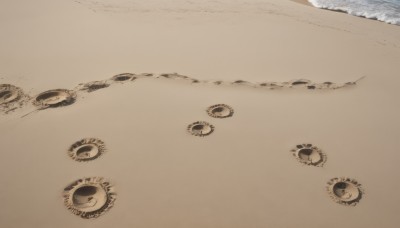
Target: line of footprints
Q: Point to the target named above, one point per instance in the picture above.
(13, 97)
(92, 197)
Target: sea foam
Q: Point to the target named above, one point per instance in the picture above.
(383, 10)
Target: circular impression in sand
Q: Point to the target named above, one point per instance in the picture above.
(309, 155)
(9, 93)
(200, 128)
(123, 77)
(89, 197)
(86, 149)
(55, 98)
(220, 111)
(345, 191)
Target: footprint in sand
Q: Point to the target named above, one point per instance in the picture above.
(174, 76)
(123, 77)
(200, 128)
(9, 93)
(300, 82)
(89, 197)
(270, 85)
(11, 97)
(220, 111)
(93, 86)
(54, 98)
(242, 82)
(309, 155)
(86, 149)
(345, 191)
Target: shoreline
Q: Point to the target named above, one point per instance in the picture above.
(306, 2)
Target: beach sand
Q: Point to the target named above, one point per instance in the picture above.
(305, 2)
(245, 54)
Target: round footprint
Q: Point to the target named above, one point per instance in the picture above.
(55, 98)
(345, 191)
(200, 128)
(9, 93)
(220, 111)
(123, 77)
(86, 149)
(309, 155)
(89, 197)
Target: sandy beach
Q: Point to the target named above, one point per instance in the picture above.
(305, 2)
(197, 114)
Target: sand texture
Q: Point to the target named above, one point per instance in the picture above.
(228, 114)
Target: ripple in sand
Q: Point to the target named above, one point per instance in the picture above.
(55, 98)
(124, 77)
(220, 111)
(345, 191)
(200, 128)
(86, 149)
(89, 197)
(309, 155)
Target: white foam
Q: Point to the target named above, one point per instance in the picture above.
(383, 10)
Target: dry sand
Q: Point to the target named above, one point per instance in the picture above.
(305, 2)
(243, 174)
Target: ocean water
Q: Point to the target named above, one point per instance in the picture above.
(383, 10)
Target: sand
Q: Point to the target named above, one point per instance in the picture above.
(257, 57)
(305, 2)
